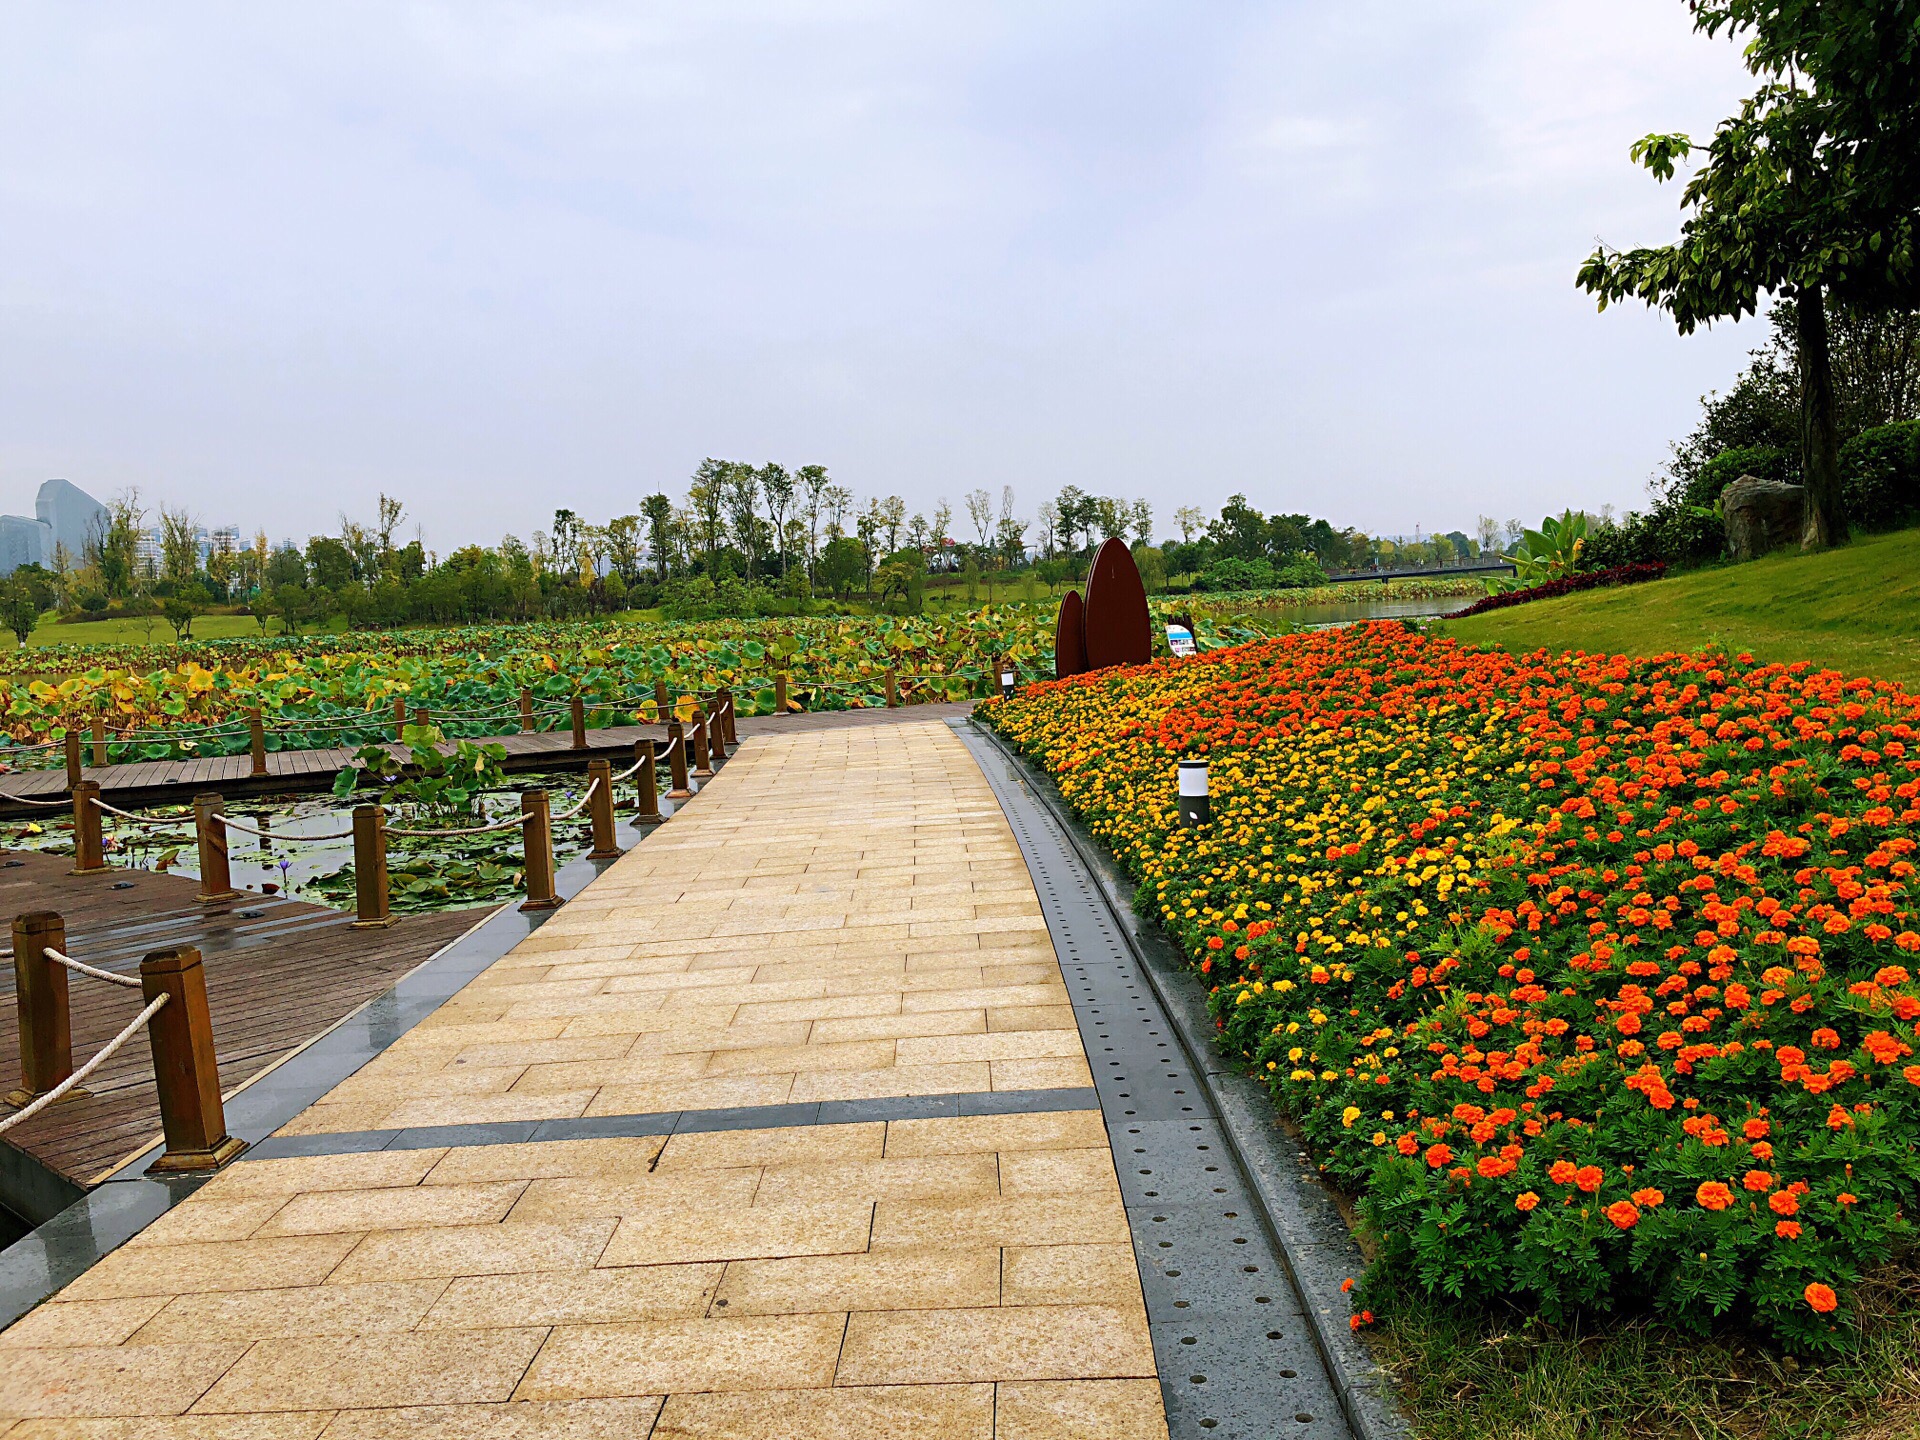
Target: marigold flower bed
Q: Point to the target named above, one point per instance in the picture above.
(1592, 975)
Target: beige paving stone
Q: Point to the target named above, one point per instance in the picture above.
(776, 1352)
(669, 1236)
(590, 1297)
(90, 1322)
(570, 1197)
(325, 1119)
(790, 1145)
(546, 1159)
(789, 1059)
(1069, 1275)
(1057, 1172)
(889, 1280)
(570, 1076)
(473, 1250)
(621, 1419)
(212, 1219)
(212, 1266)
(110, 1379)
(1058, 1074)
(1079, 1410)
(386, 1305)
(1036, 1130)
(893, 1027)
(481, 1109)
(1041, 1342)
(1031, 1017)
(180, 1427)
(906, 1178)
(1020, 1220)
(401, 1209)
(708, 1092)
(881, 1412)
(1014, 1045)
(336, 1372)
(895, 1080)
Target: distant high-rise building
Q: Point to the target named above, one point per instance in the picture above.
(65, 517)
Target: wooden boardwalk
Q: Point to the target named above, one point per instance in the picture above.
(279, 972)
(173, 782)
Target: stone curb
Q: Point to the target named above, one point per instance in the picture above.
(1315, 1243)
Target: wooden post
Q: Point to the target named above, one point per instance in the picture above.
(73, 755)
(184, 1068)
(717, 731)
(702, 757)
(579, 723)
(370, 890)
(600, 807)
(89, 854)
(422, 717)
(677, 762)
(646, 805)
(99, 742)
(257, 741)
(399, 715)
(210, 826)
(526, 711)
(661, 704)
(726, 703)
(780, 693)
(893, 689)
(536, 829)
(40, 997)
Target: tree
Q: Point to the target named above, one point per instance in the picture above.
(1140, 521)
(113, 543)
(777, 486)
(842, 565)
(1811, 192)
(180, 611)
(812, 480)
(19, 609)
(1073, 511)
(893, 518)
(706, 506)
(659, 512)
(1189, 519)
(390, 512)
(1047, 528)
(742, 493)
(179, 546)
(329, 562)
(980, 512)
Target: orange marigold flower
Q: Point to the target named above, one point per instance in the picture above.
(1757, 1180)
(1589, 1177)
(1562, 1172)
(1712, 1195)
(1883, 1047)
(1439, 1155)
(1825, 1039)
(1821, 1297)
(1844, 1198)
(1782, 1202)
(1493, 1166)
(1623, 1214)
(1787, 1229)
(1525, 1201)
(1755, 1129)
(1648, 1197)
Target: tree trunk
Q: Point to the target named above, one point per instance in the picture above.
(1819, 426)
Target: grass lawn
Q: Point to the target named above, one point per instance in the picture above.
(1856, 609)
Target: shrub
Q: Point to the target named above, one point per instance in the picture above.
(1595, 975)
(1765, 461)
(1565, 585)
(1880, 476)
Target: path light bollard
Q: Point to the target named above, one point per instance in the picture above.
(526, 711)
(646, 805)
(1196, 809)
(73, 756)
(600, 807)
(579, 723)
(1008, 679)
(184, 1068)
(210, 827)
(100, 742)
(257, 742)
(893, 689)
(399, 716)
(702, 756)
(780, 694)
(370, 890)
(89, 850)
(536, 830)
(677, 762)
(40, 997)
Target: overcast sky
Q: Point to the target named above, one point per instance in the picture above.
(269, 260)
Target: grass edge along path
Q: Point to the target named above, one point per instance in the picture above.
(1471, 1371)
(1855, 609)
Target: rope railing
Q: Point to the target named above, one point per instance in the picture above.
(100, 804)
(245, 829)
(40, 1102)
(509, 823)
(82, 968)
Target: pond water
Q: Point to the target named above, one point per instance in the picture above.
(1316, 617)
(305, 857)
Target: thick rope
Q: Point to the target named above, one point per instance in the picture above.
(569, 814)
(45, 804)
(141, 819)
(27, 1112)
(507, 824)
(245, 829)
(131, 982)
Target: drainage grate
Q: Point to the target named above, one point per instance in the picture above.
(1235, 1352)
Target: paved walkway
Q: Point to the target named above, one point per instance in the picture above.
(840, 928)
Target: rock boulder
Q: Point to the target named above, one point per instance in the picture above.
(1761, 516)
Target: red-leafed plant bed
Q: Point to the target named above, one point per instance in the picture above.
(1592, 580)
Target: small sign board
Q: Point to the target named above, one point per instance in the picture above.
(1179, 638)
